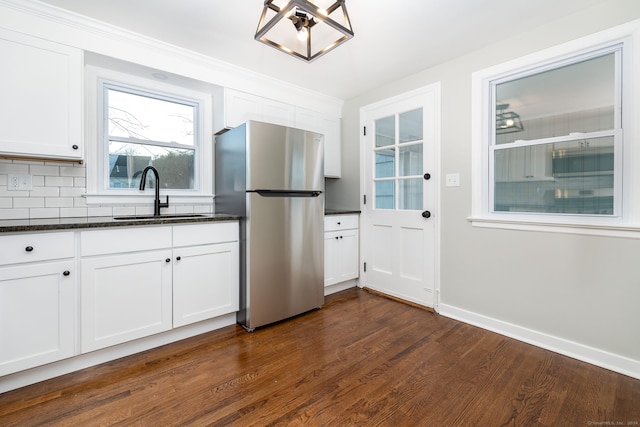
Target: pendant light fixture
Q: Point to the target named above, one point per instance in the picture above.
(507, 121)
(304, 28)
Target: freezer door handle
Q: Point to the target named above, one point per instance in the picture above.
(286, 193)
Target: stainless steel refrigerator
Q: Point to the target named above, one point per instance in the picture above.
(273, 177)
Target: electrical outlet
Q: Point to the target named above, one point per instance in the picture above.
(18, 182)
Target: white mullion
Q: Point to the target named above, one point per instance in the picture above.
(130, 140)
(396, 143)
(574, 136)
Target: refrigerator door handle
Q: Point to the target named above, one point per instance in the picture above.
(286, 193)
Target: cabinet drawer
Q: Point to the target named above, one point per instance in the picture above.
(204, 234)
(121, 240)
(30, 247)
(340, 222)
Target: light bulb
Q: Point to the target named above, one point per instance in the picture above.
(303, 34)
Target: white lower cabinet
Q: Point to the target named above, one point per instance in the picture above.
(37, 311)
(205, 274)
(341, 254)
(37, 300)
(124, 297)
(157, 279)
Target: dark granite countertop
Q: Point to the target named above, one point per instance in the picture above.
(71, 223)
(341, 211)
(50, 224)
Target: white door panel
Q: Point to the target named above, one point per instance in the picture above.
(401, 184)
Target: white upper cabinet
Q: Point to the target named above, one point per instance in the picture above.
(41, 102)
(330, 128)
(332, 146)
(232, 108)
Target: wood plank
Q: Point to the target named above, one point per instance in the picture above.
(360, 360)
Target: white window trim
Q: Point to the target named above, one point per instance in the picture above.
(628, 224)
(97, 192)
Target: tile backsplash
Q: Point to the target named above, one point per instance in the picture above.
(58, 190)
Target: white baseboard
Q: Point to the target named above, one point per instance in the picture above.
(332, 289)
(72, 364)
(594, 356)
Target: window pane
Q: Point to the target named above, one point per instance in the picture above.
(575, 98)
(385, 131)
(411, 160)
(126, 162)
(143, 117)
(579, 181)
(410, 124)
(411, 194)
(385, 163)
(385, 195)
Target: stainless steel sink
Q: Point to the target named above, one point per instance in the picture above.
(165, 216)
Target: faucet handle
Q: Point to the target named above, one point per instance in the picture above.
(165, 204)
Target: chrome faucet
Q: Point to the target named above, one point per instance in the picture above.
(156, 203)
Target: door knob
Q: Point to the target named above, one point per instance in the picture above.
(426, 214)
(427, 176)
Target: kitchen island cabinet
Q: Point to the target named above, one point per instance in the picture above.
(37, 300)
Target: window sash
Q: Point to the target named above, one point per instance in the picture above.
(492, 147)
(107, 138)
(616, 135)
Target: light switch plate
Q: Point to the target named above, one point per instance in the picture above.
(452, 180)
(19, 182)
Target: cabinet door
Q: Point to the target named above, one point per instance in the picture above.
(539, 162)
(331, 246)
(205, 282)
(240, 107)
(340, 256)
(332, 147)
(124, 297)
(278, 113)
(330, 128)
(348, 260)
(40, 106)
(37, 312)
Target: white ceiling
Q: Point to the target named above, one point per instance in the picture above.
(393, 38)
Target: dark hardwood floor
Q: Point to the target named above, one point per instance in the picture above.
(360, 360)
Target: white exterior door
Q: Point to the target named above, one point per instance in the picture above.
(400, 241)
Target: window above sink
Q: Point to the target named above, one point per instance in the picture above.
(142, 120)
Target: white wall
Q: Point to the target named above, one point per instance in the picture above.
(572, 293)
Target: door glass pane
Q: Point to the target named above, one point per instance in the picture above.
(579, 97)
(573, 177)
(411, 160)
(385, 163)
(410, 124)
(385, 194)
(386, 131)
(411, 194)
